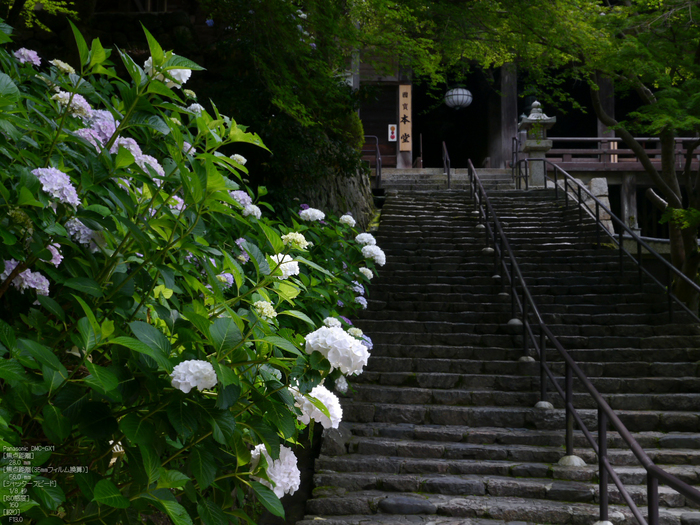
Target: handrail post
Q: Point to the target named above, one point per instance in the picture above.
(543, 365)
(486, 221)
(471, 176)
(639, 262)
(513, 291)
(597, 223)
(602, 470)
(566, 193)
(569, 380)
(556, 185)
(580, 208)
(652, 499)
(622, 250)
(669, 287)
(525, 342)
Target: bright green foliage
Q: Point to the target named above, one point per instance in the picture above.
(169, 270)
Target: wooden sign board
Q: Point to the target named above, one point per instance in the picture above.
(405, 118)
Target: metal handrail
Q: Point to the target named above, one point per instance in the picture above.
(624, 232)
(378, 158)
(446, 162)
(503, 255)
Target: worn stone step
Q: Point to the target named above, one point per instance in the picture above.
(491, 486)
(512, 417)
(407, 395)
(511, 436)
(500, 507)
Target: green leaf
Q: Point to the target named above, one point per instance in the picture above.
(82, 45)
(107, 493)
(193, 186)
(101, 377)
(52, 306)
(56, 426)
(223, 425)
(49, 496)
(9, 94)
(137, 429)
(267, 435)
(268, 499)
(53, 379)
(97, 53)
(287, 291)
(282, 343)
(224, 334)
(26, 197)
(298, 315)
(176, 512)
(151, 336)
(314, 266)
(183, 419)
(142, 348)
(11, 370)
(88, 338)
(41, 354)
(203, 466)
(95, 420)
(153, 45)
(272, 237)
(85, 285)
(7, 335)
(211, 513)
(124, 158)
(151, 463)
(171, 479)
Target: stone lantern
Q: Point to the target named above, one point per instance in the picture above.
(536, 142)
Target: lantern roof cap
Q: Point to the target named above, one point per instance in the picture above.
(537, 117)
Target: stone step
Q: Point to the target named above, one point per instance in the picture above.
(510, 509)
(512, 417)
(511, 383)
(491, 486)
(510, 436)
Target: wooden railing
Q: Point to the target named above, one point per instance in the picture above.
(373, 150)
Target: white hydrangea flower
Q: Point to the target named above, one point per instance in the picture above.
(366, 272)
(296, 240)
(253, 210)
(312, 214)
(287, 265)
(331, 321)
(180, 76)
(347, 219)
(77, 105)
(366, 238)
(355, 332)
(283, 472)
(309, 411)
(240, 159)
(343, 351)
(375, 253)
(341, 385)
(62, 66)
(193, 373)
(265, 309)
(196, 109)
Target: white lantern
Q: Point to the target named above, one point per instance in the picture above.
(458, 98)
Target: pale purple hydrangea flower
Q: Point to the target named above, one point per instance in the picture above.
(304, 206)
(91, 136)
(103, 124)
(241, 197)
(367, 342)
(127, 143)
(340, 303)
(188, 148)
(358, 288)
(56, 256)
(361, 301)
(348, 321)
(144, 160)
(25, 55)
(243, 257)
(26, 279)
(209, 22)
(77, 106)
(58, 185)
(78, 231)
(176, 204)
(226, 280)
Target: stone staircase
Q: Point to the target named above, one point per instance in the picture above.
(431, 179)
(441, 427)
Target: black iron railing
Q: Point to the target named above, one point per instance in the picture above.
(446, 163)
(574, 190)
(538, 334)
(377, 157)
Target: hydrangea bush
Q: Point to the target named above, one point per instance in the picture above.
(163, 339)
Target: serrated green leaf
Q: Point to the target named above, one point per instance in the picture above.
(282, 343)
(9, 93)
(151, 463)
(272, 237)
(183, 418)
(52, 306)
(82, 45)
(107, 493)
(11, 370)
(268, 499)
(224, 334)
(56, 426)
(298, 315)
(203, 466)
(88, 338)
(103, 378)
(211, 513)
(84, 284)
(171, 479)
(136, 429)
(143, 348)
